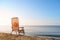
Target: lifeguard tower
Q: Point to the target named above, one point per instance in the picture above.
(15, 26)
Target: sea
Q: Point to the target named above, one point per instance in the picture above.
(41, 30)
(47, 31)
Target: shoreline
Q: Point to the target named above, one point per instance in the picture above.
(8, 36)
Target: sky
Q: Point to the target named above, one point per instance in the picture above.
(30, 12)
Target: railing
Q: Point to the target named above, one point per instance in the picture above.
(21, 30)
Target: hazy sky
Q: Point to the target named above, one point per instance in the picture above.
(30, 12)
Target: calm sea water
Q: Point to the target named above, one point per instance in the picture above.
(43, 30)
(36, 30)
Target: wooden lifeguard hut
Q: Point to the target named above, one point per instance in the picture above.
(15, 26)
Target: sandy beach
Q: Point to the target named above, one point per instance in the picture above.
(7, 36)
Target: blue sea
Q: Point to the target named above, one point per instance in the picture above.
(43, 30)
